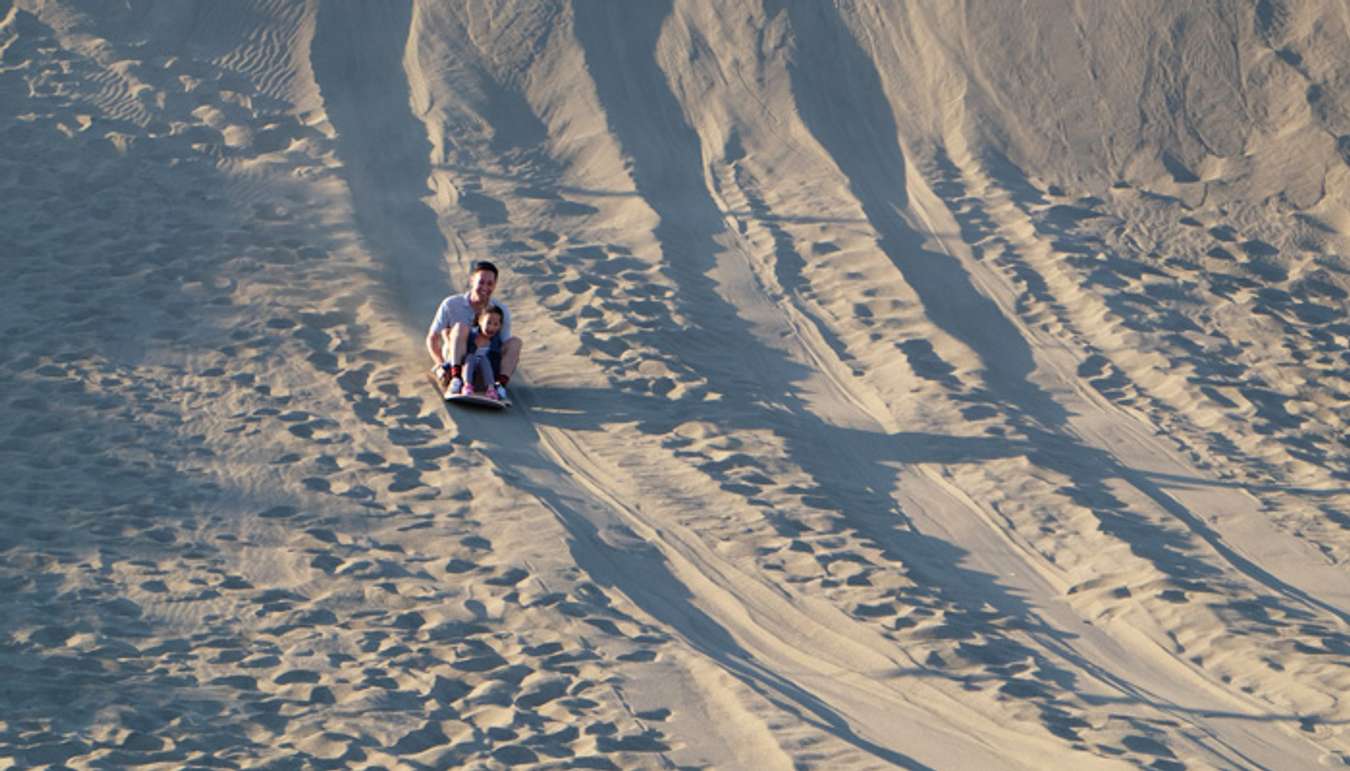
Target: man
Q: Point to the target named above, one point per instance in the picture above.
(448, 336)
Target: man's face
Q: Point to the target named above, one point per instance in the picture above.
(481, 285)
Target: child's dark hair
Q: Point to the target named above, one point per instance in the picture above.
(493, 309)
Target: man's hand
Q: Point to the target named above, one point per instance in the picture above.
(442, 374)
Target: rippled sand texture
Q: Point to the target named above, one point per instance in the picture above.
(920, 385)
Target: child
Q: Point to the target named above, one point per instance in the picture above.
(483, 357)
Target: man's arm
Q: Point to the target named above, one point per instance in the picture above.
(436, 333)
(434, 347)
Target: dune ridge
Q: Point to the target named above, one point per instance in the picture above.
(914, 385)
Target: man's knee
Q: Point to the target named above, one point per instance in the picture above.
(510, 356)
(456, 333)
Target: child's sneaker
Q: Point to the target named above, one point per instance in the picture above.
(457, 386)
(500, 392)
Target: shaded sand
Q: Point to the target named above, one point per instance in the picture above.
(906, 385)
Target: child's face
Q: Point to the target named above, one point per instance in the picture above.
(492, 324)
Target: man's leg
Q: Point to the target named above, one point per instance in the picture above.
(510, 356)
(456, 343)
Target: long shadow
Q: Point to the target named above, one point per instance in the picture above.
(1063, 221)
(575, 409)
(646, 579)
(666, 166)
(1105, 269)
(357, 59)
(856, 127)
(877, 178)
(618, 42)
(788, 263)
(667, 161)
(932, 562)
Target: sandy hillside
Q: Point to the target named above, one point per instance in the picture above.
(923, 385)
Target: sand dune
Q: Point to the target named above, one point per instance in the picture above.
(918, 385)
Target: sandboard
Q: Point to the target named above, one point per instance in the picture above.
(469, 400)
(478, 401)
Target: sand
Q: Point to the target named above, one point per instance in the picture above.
(919, 385)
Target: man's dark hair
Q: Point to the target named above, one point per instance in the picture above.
(484, 265)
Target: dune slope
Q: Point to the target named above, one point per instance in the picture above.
(922, 385)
